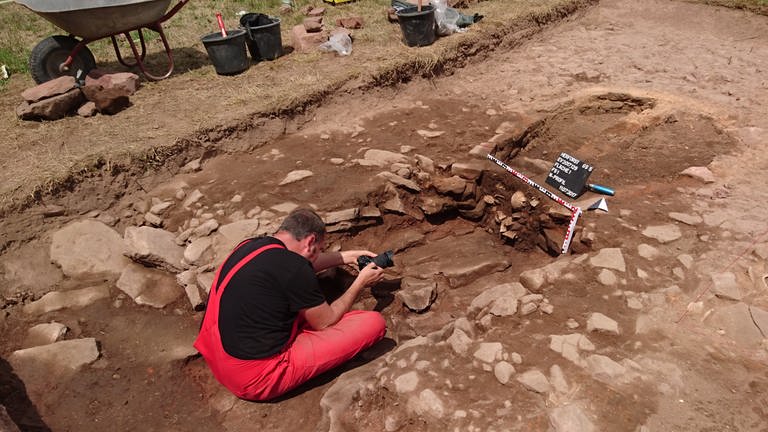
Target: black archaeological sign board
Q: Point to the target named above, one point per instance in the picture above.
(569, 175)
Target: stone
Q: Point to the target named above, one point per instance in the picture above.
(399, 181)
(44, 367)
(148, 286)
(28, 268)
(56, 300)
(110, 92)
(737, 322)
(192, 198)
(304, 42)
(155, 247)
(516, 358)
(313, 24)
(349, 214)
(153, 219)
(44, 334)
(610, 258)
(760, 318)
(205, 281)
(604, 368)
(468, 170)
(687, 219)
(547, 308)
(663, 233)
(535, 279)
(570, 418)
(407, 382)
(351, 22)
(647, 251)
(571, 324)
(518, 200)
(48, 89)
(426, 164)
(429, 133)
(88, 109)
(504, 306)
(510, 291)
(427, 403)
(686, 260)
(535, 381)
(607, 277)
(503, 371)
(418, 295)
(459, 342)
(88, 248)
(336, 161)
(295, 176)
(570, 345)
(195, 253)
(557, 379)
(601, 323)
(702, 174)
(316, 11)
(452, 185)
(161, 207)
(724, 285)
(205, 228)
(238, 231)
(489, 352)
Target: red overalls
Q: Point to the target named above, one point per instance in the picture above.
(308, 352)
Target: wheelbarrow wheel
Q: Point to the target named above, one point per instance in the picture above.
(53, 51)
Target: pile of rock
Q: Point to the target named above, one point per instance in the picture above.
(311, 33)
(99, 93)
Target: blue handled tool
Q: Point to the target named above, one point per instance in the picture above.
(596, 188)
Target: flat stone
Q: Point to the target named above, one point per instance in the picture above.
(418, 294)
(295, 176)
(205, 281)
(155, 247)
(205, 228)
(74, 299)
(28, 268)
(737, 322)
(400, 181)
(528, 309)
(663, 233)
(535, 279)
(724, 285)
(489, 352)
(505, 306)
(702, 174)
(687, 219)
(686, 260)
(44, 334)
(192, 198)
(647, 251)
(49, 89)
(601, 323)
(427, 404)
(468, 170)
(148, 286)
(451, 185)
(153, 220)
(570, 418)
(426, 164)
(535, 381)
(161, 207)
(44, 367)
(429, 133)
(459, 342)
(334, 217)
(760, 317)
(304, 42)
(503, 371)
(53, 108)
(194, 254)
(604, 368)
(384, 157)
(407, 382)
(509, 290)
(241, 230)
(557, 379)
(610, 258)
(88, 248)
(607, 277)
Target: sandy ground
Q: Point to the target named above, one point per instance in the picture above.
(640, 90)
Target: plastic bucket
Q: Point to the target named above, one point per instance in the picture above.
(418, 27)
(264, 40)
(228, 53)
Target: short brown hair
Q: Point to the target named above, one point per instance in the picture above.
(303, 222)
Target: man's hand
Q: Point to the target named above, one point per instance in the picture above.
(370, 274)
(351, 256)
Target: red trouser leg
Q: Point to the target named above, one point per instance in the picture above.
(316, 351)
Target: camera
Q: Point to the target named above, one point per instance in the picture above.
(382, 260)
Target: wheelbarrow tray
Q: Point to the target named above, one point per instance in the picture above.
(96, 19)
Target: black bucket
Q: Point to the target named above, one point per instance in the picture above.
(228, 53)
(264, 40)
(418, 27)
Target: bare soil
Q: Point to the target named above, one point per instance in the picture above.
(640, 90)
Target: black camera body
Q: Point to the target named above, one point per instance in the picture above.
(382, 260)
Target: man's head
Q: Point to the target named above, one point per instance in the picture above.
(307, 230)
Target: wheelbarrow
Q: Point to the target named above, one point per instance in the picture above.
(91, 20)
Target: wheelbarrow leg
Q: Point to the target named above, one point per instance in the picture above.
(64, 67)
(157, 27)
(118, 53)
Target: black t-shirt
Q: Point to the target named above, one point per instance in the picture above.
(263, 298)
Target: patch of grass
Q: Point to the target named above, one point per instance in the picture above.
(754, 6)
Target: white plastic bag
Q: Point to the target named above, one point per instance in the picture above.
(447, 18)
(339, 42)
